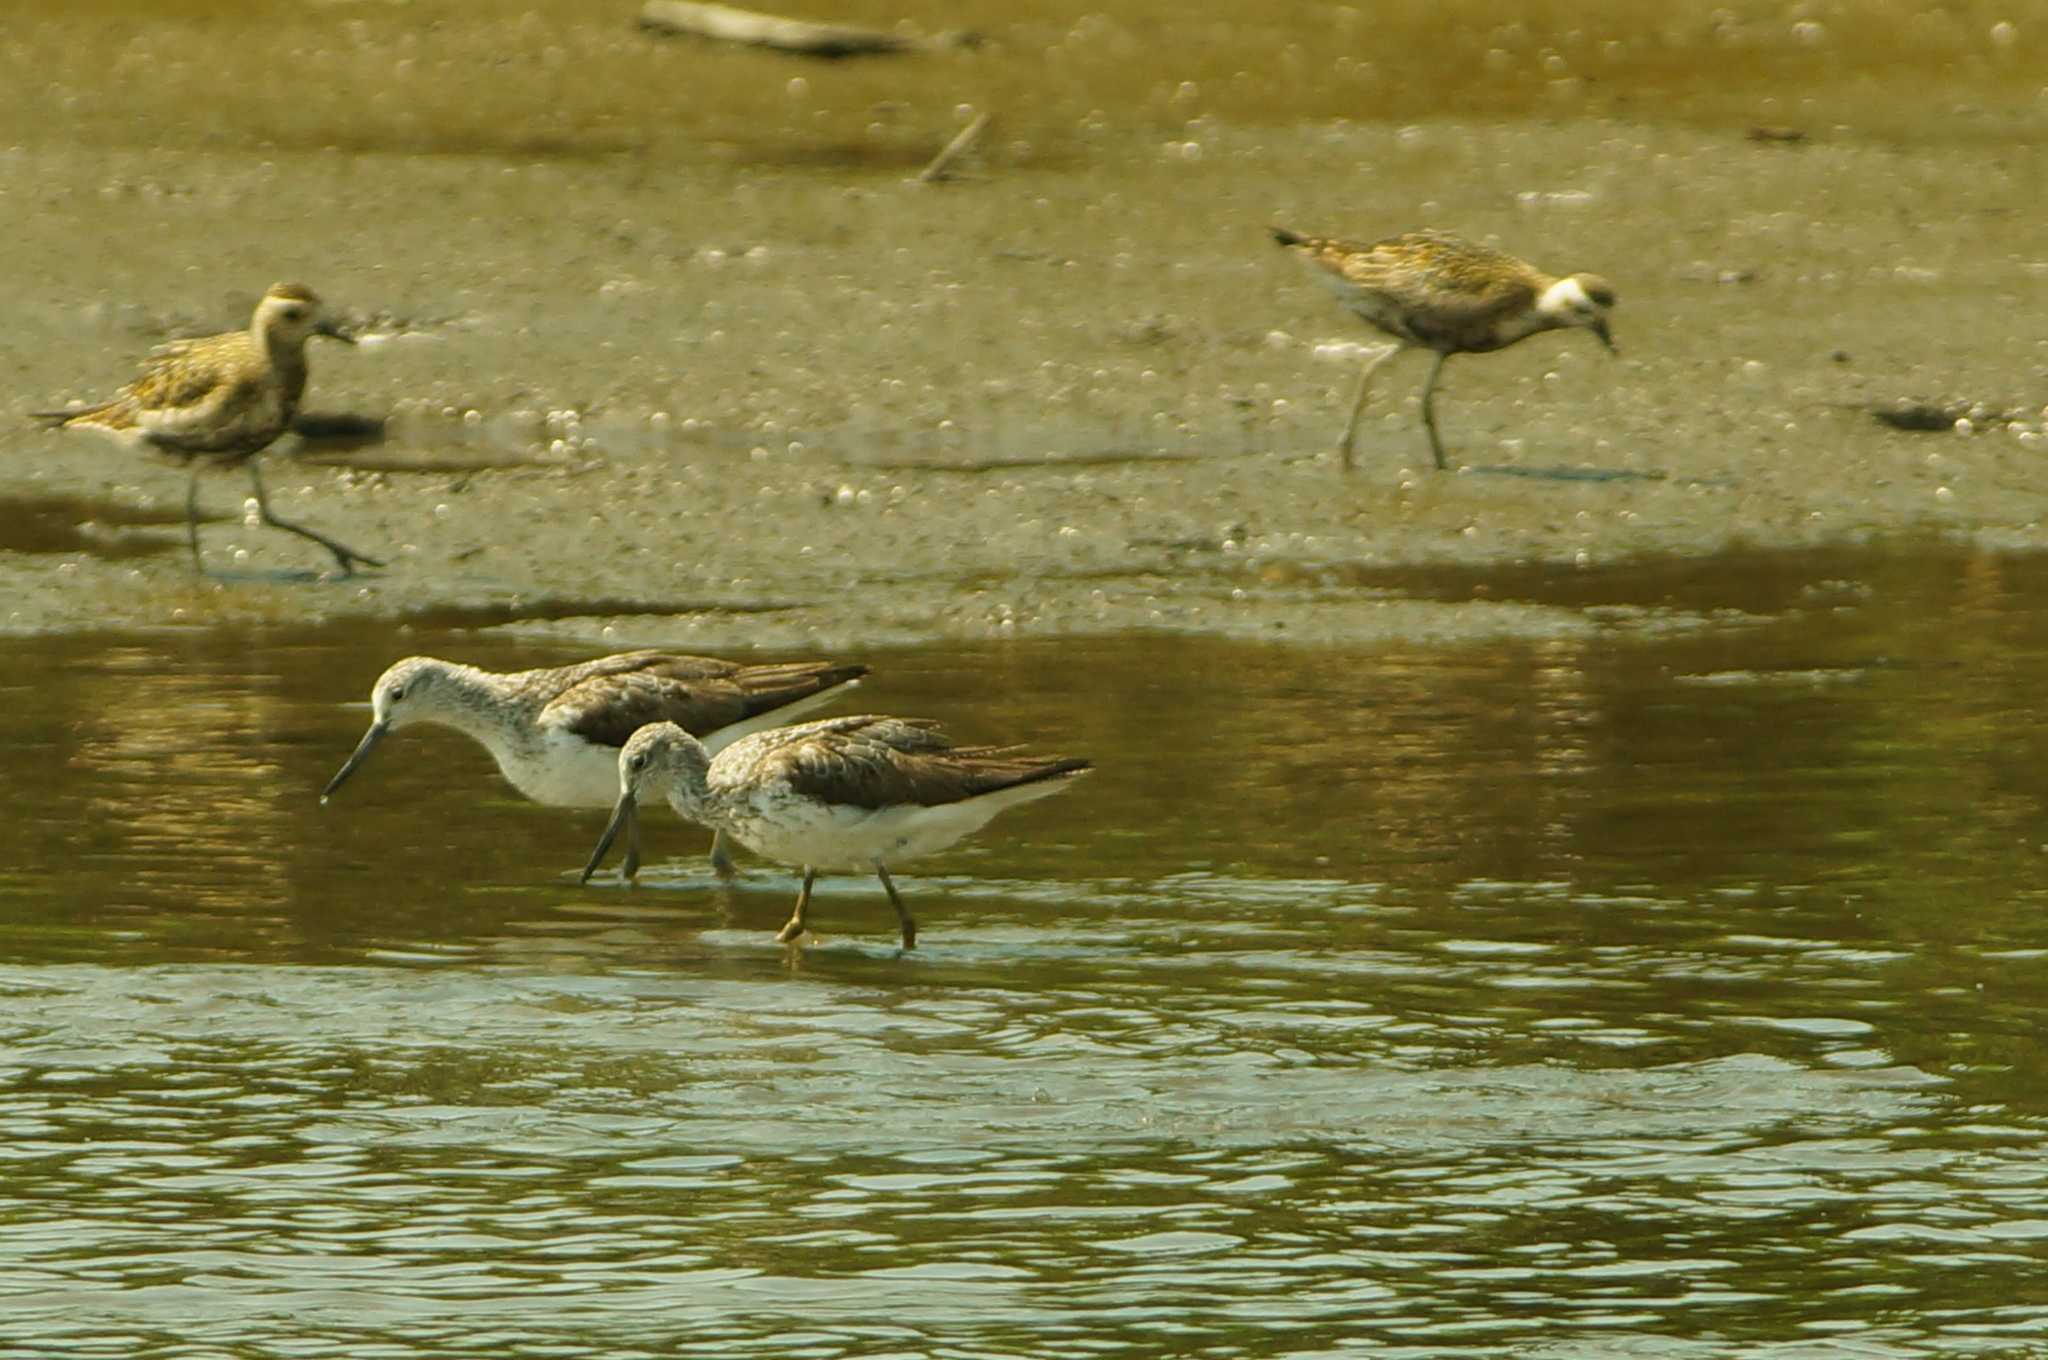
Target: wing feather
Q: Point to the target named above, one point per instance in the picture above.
(1427, 286)
(878, 762)
(621, 694)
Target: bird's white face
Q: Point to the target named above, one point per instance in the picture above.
(291, 316)
(1581, 300)
(648, 765)
(649, 758)
(406, 693)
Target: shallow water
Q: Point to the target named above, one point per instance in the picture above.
(1637, 991)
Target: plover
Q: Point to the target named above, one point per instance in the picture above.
(1432, 290)
(556, 733)
(222, 398)
(855, 793)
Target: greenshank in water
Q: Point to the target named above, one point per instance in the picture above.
(854, 793)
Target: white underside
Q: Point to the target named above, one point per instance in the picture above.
(565, 771)
(799, 831)
(128, 439)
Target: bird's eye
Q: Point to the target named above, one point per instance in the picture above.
(638, 762)
(397, 693)
(294, 314)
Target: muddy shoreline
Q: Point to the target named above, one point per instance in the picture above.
(700, 366)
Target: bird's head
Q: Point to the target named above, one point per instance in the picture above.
(291, 313)
(409, 691)
(1580, 300)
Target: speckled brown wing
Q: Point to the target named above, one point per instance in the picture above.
(176, 374)
(1430, 287)
(182, 372)
(878, 762)
(212, 395)
(701, 694)
(1458, 287)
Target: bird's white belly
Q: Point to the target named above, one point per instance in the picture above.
(798, 831)
(562, 770)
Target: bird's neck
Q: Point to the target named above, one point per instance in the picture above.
(284, 353)
(486, 708)
(689, 793)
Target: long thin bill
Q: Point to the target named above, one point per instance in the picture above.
(362, 752)
(624, 813)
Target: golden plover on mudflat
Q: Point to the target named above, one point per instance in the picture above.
(223, 398)
(841, 793)
(1432, 290)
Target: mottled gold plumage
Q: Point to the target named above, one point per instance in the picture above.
(223, 398)
(1433, 290)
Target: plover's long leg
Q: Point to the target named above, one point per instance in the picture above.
(721, 858)
(902, 912)
(1436, 445)
(1358, 404)
(345, 557)
(795, 927)
(192, 517)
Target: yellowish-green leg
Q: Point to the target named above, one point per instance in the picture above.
(721, 857)
(902, 912)
(795, 928)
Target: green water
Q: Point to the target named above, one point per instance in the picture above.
(1667, 991)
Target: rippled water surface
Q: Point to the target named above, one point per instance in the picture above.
(1669, 990)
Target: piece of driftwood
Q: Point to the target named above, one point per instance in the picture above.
(723, 23)
(963, 141)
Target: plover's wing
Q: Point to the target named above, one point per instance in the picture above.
(1445, 280)
(214, 410)
(168, 378)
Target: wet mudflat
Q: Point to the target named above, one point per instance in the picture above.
(1612, 992)
(662, 324)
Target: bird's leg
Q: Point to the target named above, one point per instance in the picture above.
(902, 912)
(721, 858)
(1436, 445)
(803, 900)
(344, 557)
(192, 518)
(1372, 366)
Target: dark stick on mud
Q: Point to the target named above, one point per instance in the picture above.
(963, 141)
(723, 23)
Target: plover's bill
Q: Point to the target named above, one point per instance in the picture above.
(222, 398)
(556, 733)
(841, 793)
(1432, 290)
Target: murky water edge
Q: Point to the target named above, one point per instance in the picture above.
(1623, 992)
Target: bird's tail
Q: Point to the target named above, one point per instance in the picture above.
(57, 420)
